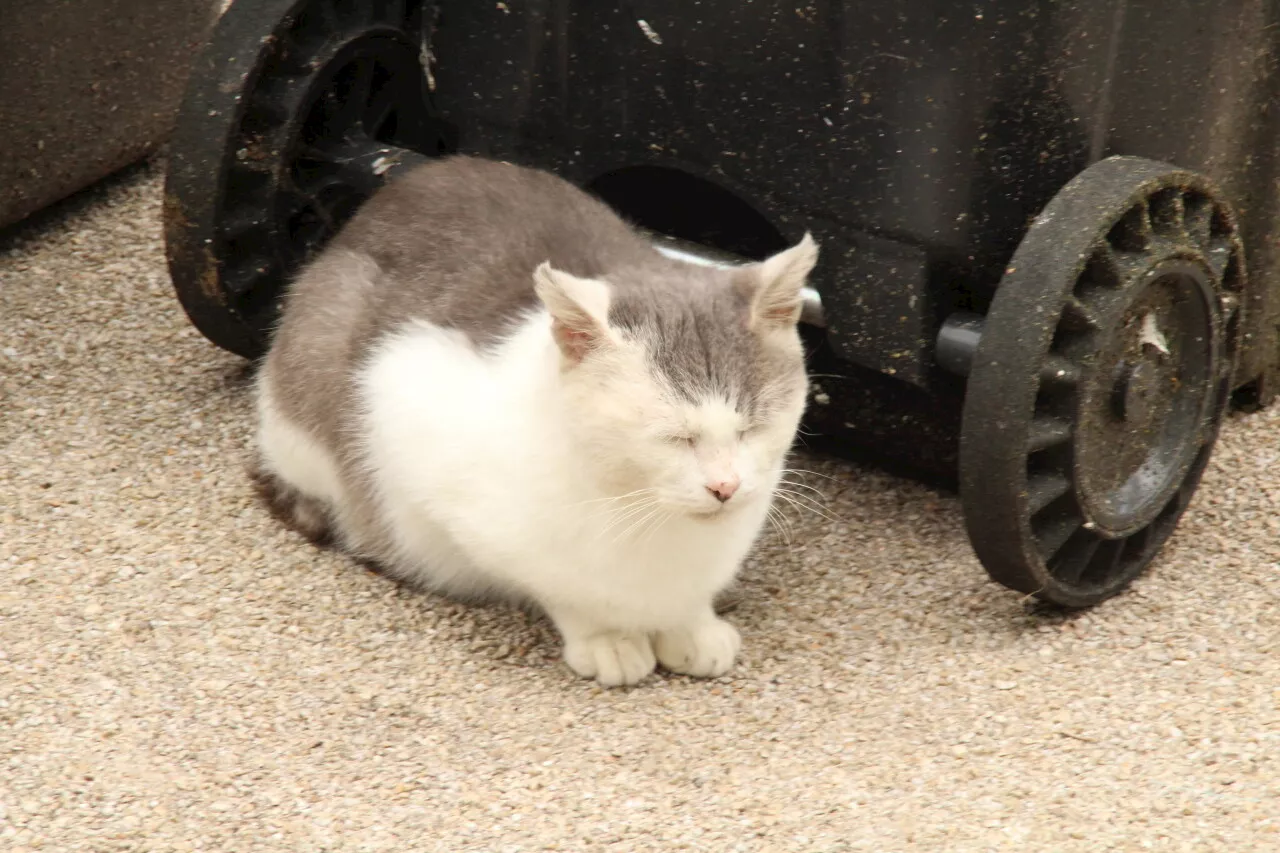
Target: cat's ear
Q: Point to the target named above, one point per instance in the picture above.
(579, 310)
(776, 299)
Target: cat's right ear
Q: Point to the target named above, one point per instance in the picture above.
(579, 310)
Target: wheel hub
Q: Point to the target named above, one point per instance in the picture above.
(1140, 416)
(1136, 387)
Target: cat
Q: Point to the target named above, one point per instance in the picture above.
(489, 384)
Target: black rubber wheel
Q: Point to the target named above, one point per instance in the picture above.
(295, 112)
(1103, 372)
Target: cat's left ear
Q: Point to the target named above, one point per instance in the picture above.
(776, 300)
(579, 309)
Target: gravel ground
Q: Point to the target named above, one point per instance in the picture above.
(179, 673)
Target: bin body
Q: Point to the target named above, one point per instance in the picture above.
(916, 140)
(87, 87)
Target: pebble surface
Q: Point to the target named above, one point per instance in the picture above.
(179, 673)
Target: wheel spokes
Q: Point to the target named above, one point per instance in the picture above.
(1060, 371)
(1133, 233)
(352, 95)
(1198, 219)
(1104, 564)
(1219, 255)
(1074, 558)
(1052, 535)
(240, 276)
(1078, 316)
(1046, 432)
(1168, 215)
(1229, 304)
(1044, 489)
(1135, 545)
(314, 171)
(238, 225)
(1103, 269)
(1231, 277)
(381, 104)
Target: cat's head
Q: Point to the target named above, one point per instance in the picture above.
(685, 383)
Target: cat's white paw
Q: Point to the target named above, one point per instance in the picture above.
(613, 658)
(705, 649)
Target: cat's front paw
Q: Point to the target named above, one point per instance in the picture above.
(613, 658)
(705, 649)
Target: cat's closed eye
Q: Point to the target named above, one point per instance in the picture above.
(692, 440)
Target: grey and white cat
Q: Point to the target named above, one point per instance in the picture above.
(489, 384)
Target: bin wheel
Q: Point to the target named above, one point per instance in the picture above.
(1101, 377)
(295, 112)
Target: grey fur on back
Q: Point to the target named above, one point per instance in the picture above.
(460, 238)
(455, 242)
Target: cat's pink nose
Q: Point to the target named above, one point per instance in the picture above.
(724, 489)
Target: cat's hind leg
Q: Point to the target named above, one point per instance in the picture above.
(291, 507)
(295, 476)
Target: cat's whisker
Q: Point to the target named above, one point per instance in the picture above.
(628, 512)
(800, 508)
(803, 502)
(798, 485)
(817, 498)
(663, 518)
(781, 525)
(622, 511)
(788, 529)
(819, 501)
(638, 525)
(613, 498)
(640, 513)
(820, 514)
(618, 503)
(619, 513)
(804, 472)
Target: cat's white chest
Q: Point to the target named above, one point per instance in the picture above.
(653, 575)
(481, 493)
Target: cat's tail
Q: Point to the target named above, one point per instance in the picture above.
(306, 515)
